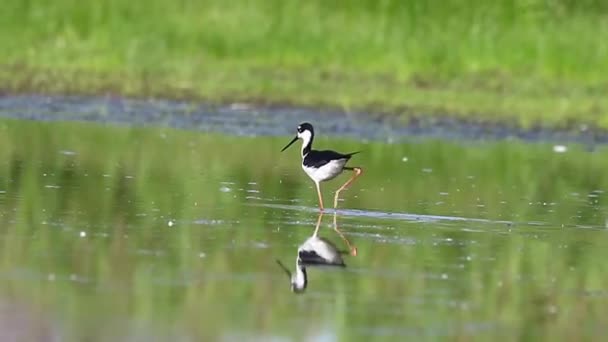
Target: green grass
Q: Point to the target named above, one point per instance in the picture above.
(522, 62)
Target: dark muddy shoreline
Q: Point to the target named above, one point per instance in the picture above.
(252, 120)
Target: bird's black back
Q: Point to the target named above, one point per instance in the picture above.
(311, 258)
(317, 159)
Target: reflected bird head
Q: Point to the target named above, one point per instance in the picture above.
(297, 281)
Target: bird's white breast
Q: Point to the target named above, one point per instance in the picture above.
(323, 248)
(325, 172)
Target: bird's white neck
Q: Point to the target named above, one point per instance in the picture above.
(307, 138)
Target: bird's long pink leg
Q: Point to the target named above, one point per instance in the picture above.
(358, 171)
(318, 224)
(320, 196)
(351, 248)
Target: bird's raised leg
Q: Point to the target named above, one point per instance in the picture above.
(351, 248)
(320, 196)
(358, 171)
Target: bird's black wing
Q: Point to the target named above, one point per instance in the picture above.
(311, 258)
(319, 158)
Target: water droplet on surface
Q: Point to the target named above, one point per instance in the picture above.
(560, 148)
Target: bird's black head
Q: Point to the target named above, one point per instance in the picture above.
(305, 132)
(305, 126)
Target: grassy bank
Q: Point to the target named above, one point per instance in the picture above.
(526, 62)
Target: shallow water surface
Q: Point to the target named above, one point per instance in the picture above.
(115, 233)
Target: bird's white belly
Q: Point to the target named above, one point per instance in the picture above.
(325, 172)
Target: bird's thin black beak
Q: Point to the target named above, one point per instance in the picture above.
(291, 142)
(284, 268)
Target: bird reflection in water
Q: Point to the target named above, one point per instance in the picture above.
(317, 251)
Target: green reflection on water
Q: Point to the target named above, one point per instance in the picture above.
(118, 233)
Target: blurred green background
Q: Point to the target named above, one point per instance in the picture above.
(521, 62)
(122, 233)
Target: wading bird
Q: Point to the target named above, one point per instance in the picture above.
(322, 166)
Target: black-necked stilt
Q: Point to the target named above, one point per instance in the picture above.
(322, 166)
(316, 251)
